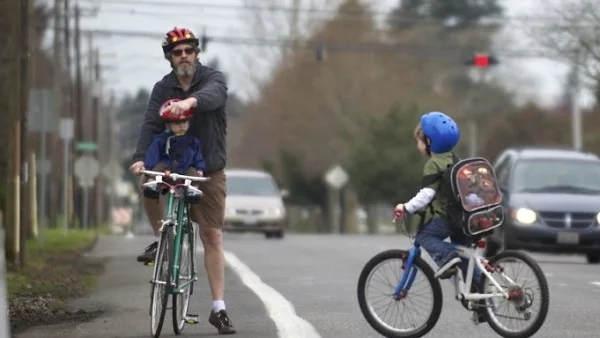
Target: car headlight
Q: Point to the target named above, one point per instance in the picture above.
(230, 212)
(524, 216)
(598, 218)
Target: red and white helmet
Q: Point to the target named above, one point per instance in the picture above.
(168, 116)
(177, 36)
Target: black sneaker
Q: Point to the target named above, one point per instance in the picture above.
(221, 321)
(149, 253)
(479, 316)
(450, 268)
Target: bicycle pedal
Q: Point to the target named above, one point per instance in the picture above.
(191, 319)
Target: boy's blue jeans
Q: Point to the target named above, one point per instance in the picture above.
(431, 237)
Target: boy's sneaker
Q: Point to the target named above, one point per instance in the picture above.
(449, 269)
(149, 253)
(221, 321)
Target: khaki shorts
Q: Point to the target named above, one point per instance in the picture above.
(210, 211)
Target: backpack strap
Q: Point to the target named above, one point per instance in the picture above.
(429, 179)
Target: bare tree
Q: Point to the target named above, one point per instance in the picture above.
(570, 32)
(285, 24)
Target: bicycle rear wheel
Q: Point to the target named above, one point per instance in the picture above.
(181, 301)
(424, 285)
(159, 294)
(528, 291)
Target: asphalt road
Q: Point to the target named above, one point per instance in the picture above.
(305, 286)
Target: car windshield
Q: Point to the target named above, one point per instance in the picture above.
(557, 175)
(251, 186)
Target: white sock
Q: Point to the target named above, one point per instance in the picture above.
(157, 238)
(218, 305)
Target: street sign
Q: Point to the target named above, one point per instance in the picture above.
(86, 169)
(66, 129)
(336, 177)
(113, 170)
(86, 146)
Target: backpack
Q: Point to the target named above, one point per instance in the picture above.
(472, 196)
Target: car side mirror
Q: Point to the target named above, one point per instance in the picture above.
(284, 193)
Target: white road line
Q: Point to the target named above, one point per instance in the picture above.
(281, 311)
(595, 283)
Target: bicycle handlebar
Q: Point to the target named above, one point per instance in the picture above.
(175, 176)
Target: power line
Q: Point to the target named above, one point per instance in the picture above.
(278, 8)
(327, 45)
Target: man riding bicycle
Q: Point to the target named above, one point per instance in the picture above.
(204, 91)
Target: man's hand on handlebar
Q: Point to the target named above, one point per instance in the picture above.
(137, 167)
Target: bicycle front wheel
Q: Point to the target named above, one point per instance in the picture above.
(181, 301)
(521, 276)
(159, 294)
(399, 318)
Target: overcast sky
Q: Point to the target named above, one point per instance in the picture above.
(137, 61)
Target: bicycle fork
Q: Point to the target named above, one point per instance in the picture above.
(409, 273)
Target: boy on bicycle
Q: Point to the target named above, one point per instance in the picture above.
(436, 135)
(175, 149)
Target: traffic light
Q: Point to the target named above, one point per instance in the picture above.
(482, 60)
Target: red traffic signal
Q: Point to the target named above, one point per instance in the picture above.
(482, 61)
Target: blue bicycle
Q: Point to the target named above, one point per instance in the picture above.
(496, 294)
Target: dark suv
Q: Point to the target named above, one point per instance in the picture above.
(551, 200)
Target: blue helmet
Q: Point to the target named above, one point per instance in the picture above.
(441, 130)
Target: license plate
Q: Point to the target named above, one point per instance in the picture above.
(250, 221)
(567, 238)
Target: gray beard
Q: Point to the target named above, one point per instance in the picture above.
(185, 70)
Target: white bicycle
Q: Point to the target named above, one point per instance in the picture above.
(496, 294)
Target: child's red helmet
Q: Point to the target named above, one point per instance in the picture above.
(168, 116)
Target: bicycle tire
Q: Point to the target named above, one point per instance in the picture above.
(429, 274)
(545, 295)
(179, 323)
(162, 256)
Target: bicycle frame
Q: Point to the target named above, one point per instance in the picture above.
(174, 220)
(461, 288)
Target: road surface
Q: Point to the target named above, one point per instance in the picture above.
(304, 286)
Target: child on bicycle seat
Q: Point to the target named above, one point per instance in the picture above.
(175, 149)
(436, 135)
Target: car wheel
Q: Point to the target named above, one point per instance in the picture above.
(274, 234)
(593, 258)
(491, 248)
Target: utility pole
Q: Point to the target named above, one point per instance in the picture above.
(68, 93)
(23, 139)
(98, 131)
(482, 62)
(111, 149)
(576, 131)
(78, 90)
(57, 85)
(294, 26)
